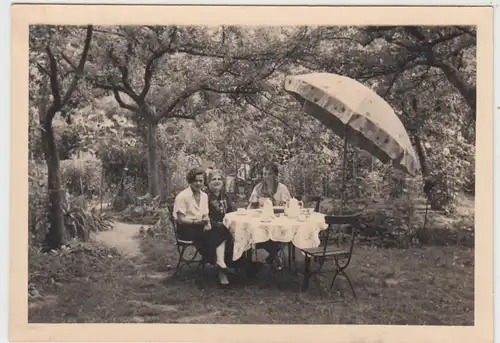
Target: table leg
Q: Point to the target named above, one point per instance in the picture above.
(307, 274)
(290, 255)
(293, 257)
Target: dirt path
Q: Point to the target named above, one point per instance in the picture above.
(122, 238)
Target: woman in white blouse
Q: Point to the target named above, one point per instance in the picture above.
(191, 212)
(272, 189)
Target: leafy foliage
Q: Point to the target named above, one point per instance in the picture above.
(80, 220)
(38, 215)
(156, 101)
(82, 175)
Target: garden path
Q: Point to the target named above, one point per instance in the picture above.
(122, 237)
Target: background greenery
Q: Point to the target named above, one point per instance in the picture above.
(118, 114)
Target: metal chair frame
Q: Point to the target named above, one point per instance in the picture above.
(329, 250)
(181, 246)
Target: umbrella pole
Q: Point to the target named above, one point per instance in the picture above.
(343, 189)
(344, 163)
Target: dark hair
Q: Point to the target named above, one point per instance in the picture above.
(272, 167)
(191, 175)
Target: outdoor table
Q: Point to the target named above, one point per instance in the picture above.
(249, 227)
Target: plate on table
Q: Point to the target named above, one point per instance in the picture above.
(256, 213)
(266, 220)
(302, 218)
(240, 211)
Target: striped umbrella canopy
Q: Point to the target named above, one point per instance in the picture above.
(346, 106)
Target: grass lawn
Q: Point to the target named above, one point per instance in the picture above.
(432, 285)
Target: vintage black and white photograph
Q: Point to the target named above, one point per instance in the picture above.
(239, 174)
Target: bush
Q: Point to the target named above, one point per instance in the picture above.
(68, 139)
(128, 159)
(453, 169)
(304, 174)
(184, 163)
(38, 215)
(144, 210)
(82, 175)
(78, 261)
(80, 221)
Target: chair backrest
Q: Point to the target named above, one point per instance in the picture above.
(173, 221)
(309, 199)
(341, 222)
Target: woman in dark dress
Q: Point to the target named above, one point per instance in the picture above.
(219, 203)
(191, 211)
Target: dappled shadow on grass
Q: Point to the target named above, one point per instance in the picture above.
(428, 286)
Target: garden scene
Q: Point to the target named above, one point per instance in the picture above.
(119, 117)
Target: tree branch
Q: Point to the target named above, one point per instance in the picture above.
(229, 90)
(54, 83)
(123, 104)
(466, 30)
(188, 91)
(42, 69)
(81, 64)
(150, 64)
(148, 73)
(116, 93)
(69, 61)
(453, 75)
(124, 72)
(192, 89)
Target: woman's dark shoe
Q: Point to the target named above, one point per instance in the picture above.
(276, 261)
(225, 270)
(279, 263)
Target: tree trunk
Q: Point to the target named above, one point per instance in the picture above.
(153, 169)
(468, 92)
(422, 156)
(56, 235)
(428, 182)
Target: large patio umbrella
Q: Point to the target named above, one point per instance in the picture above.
(357, 114)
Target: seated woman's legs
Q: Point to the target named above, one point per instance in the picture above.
(210, 244)
(220, 253)
(272, 248)
(220, 238)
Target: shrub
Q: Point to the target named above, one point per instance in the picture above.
(126, 159)
(69, 264)
(80, 221)
(81, 175)
(38, 215)
(78, 218)
(144, 210)
(453, 169)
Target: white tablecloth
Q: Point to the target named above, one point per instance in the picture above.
(248, 228)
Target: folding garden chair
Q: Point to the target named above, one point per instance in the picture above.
(336, 245)
(182, 246)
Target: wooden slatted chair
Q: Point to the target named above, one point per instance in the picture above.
(336, 245)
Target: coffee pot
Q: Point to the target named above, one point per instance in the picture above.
(267, 207)
(293, 207)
